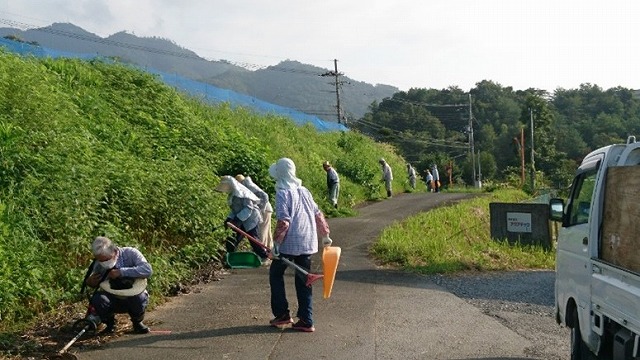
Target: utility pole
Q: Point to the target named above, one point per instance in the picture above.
(479, 171)
(471, 147)
(533, 163)
(522, 155)
(336, 82)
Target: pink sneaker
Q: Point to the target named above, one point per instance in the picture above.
(303, 326)
(281, 320)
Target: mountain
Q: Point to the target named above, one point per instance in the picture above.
(292, 84)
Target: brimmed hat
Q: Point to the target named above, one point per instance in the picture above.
(226, 184)
(326, 163)
(138, 286)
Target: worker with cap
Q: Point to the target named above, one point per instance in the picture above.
(333, 183)
(264, 229)
(387, 175)
(245, 214)
(120, 273)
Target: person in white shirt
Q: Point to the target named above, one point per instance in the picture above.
(429, 181)
(387, 176)
(411, 172)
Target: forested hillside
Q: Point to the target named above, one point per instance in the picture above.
(431, 126)
(90, 148)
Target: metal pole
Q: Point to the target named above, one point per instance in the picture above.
(522, 156)
(533, 163)
(479, 171)
(339, 109)
(471, 148)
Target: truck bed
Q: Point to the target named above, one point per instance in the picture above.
(615, 293)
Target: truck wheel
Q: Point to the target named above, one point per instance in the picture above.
(579, 350)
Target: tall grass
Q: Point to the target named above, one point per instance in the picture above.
(456, 238)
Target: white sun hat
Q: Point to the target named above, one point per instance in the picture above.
(138, 286)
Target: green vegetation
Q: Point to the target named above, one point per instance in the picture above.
(91, 148)
(430, 126)
(457, 238)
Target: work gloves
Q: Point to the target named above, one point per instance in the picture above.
(326, 241)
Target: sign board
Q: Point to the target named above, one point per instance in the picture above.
(519, 222)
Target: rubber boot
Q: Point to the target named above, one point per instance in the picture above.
(138, 326)
(388, 193)
(110, 327)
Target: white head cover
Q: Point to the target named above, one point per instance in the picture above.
(231, 186)
(284, 172)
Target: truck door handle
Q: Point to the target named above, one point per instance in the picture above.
(585, 241)
(596, 270)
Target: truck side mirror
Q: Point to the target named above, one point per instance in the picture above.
(556, 209)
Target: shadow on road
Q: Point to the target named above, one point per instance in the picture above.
(146, 340)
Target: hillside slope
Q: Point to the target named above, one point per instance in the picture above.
(90, 148)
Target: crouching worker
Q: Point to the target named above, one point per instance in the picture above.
(245, 214)
(121, 274)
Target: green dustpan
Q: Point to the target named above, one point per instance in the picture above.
(243, 260)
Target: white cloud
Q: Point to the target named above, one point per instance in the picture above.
(405, 43)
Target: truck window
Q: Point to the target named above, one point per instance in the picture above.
(580, 204)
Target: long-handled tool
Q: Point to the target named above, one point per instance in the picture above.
(311, 278)
(90, 323)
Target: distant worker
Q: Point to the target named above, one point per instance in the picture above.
(264, 229)
(387, 176)
(436, 178)
(333, 183)
(429, 181)
(411, 172)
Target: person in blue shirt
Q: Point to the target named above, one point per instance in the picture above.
(299, 225)
(114, 263)
(244, 213)
(333, 183)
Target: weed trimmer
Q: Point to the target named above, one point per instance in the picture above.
(311, 278)
(89, 323)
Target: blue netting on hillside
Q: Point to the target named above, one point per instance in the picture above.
(198, 89)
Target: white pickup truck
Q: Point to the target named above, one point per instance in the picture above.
(597, 287)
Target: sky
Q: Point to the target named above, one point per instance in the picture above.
(543, 44)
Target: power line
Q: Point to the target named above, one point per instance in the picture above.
(403, 136)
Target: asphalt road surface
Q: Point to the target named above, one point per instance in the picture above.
(373, 312)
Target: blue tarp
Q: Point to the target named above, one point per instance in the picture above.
(202, 90)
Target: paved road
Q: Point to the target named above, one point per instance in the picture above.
(373, 313)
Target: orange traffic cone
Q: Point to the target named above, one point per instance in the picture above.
(330, 258)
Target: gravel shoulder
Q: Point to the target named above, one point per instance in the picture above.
(522, 301)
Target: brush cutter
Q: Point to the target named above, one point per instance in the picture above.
(311, 278)
(88, 324)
